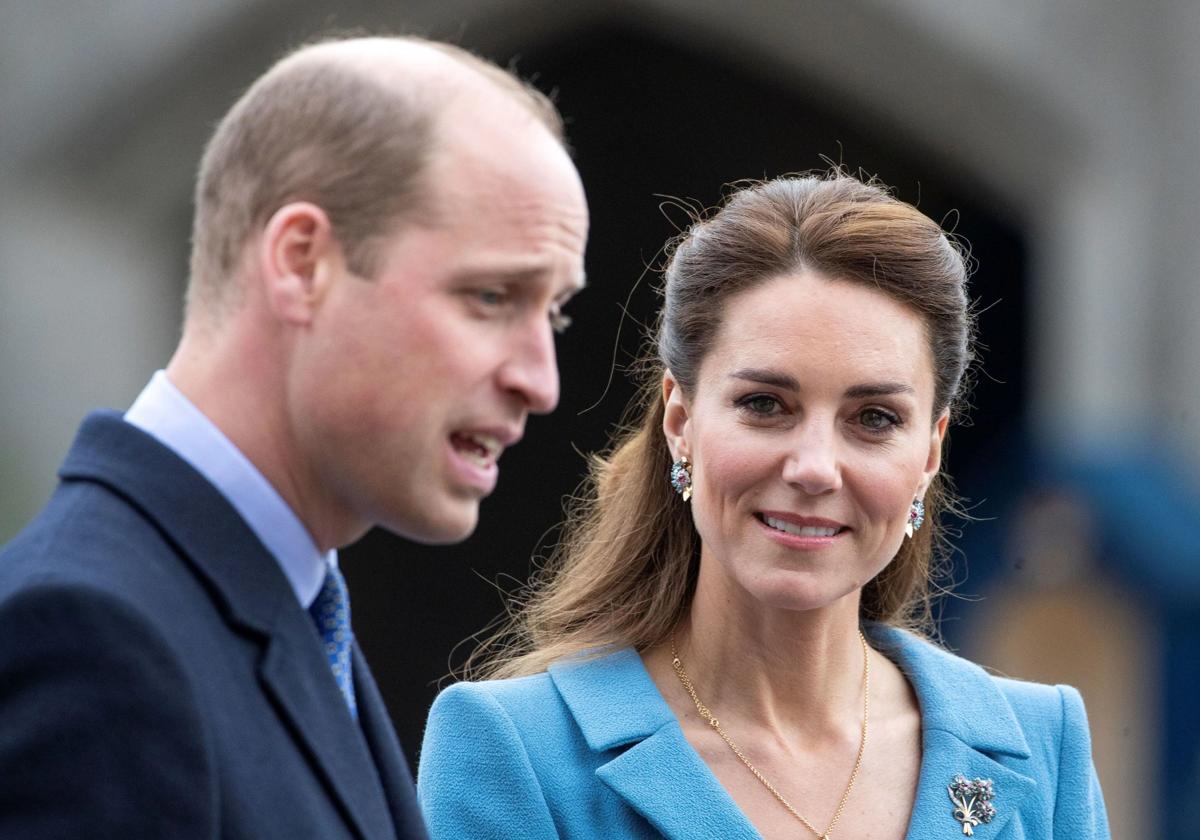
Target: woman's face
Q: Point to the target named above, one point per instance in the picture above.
(810, 433)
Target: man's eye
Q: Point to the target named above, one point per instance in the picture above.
(559, 321)
(491, 297)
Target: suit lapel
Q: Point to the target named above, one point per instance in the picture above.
(617, 704)
(252, 594)
(968, 729)
(389, 759)
(297, 678)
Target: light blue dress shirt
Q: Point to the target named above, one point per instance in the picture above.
(164, 412)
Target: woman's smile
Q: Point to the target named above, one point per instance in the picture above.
(800, 532)
(811, 430)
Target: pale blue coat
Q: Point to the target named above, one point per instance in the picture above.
(591, 750)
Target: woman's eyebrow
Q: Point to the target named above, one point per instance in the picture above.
(766, 376)
(879, 389)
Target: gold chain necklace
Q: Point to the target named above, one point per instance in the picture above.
(712, 721)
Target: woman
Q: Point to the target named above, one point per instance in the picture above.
(724, 646)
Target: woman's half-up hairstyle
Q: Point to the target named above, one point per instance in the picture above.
(624, 570)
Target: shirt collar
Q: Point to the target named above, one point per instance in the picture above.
(162, 411)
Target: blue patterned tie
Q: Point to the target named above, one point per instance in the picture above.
(331, 612)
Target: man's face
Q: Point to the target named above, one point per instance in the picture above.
(409, 385)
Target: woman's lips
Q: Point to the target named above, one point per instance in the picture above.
(801, 531)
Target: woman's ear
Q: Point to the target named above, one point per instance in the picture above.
(933, 461)
(676, 418)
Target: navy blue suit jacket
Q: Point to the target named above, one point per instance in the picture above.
(159, 679)
(590, 749)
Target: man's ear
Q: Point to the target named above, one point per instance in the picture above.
(297, 257)
(676, 418)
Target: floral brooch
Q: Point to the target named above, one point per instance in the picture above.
(972, 802)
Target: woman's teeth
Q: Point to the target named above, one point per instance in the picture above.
(799, 530)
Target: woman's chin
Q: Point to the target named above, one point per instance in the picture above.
(802, 595)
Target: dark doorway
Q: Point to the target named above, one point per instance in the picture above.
(647, 117)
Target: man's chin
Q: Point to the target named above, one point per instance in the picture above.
(440, 527)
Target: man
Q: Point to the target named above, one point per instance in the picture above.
(386, 231)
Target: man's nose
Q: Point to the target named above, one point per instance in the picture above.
(532, 370)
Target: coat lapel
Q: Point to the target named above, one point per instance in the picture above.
(385, 749)
(252, 593)
(664, 780)
(309, 700)
(968, 729)
(617, 704)
(945, 757)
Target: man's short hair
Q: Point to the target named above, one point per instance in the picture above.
(327, 132)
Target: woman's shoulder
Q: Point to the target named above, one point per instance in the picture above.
(959, 687)
(509, 698)
(492, 727)
(1057, 711)
(1036, 697)
(531, 697)
(520, 757)
(528, 727)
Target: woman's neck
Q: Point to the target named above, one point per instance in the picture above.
(795, 672)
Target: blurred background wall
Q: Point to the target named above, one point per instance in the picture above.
(1061, 139)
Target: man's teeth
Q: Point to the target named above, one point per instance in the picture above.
(481, 450)
(476, 458)
(799, 530)
(487, 442)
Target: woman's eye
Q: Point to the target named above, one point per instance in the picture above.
(878, 420)
(762, 405)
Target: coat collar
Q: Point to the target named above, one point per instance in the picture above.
(966, 721)
(252, 593)
(956, 696)
(968, 728)
(242, 576)
(617, 704)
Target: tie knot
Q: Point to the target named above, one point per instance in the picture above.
(331, 612)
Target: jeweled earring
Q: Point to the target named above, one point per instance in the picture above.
(916, 518)
(681, 478)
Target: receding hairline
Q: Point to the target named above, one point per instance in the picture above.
(388, 101)
(433, 73)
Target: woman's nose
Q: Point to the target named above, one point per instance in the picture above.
(813, 464)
